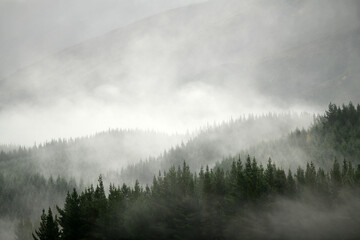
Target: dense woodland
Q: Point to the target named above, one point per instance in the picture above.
(217, 142)
(335, 134)
(273, 176)
(139, 155)
(183, 205)
(84, 157)
(209, 202)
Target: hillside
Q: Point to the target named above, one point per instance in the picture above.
(33, 178)
(215, 118)
(81, 158)
(333, 135)
(248, 201)
(36, 177)
(216, 143)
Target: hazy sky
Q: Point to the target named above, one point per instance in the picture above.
(33, 29)
(173, 71)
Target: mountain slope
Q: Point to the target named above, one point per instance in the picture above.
(216, 143)
(333, 135)
(82, 158)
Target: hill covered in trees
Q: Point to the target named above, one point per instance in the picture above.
(243, 199)
(335, 134)
(84, 157)
(109, 152)
(216, 143)
(213, 204)
(331, 143)
(31, 178)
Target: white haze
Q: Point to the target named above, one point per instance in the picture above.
(172, 72)
(33, 29)
(308, 217)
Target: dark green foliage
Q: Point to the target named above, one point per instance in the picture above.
(310, 175)
(291, 186)
(336, 134)
(69, 219)
(336, 177)
(182, 205)
(49, 228)
(215, 142)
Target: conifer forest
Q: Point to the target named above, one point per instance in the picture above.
(179, 119)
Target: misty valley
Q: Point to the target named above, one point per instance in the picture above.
(179, 119)
(305, 184)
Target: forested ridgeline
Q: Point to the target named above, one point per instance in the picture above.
(26, 173)
(84, 157)
(212, 204)
(215, 143)
(335, 134)
(22, 196)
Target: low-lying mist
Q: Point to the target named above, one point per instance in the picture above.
(188, 90)
(307, 218)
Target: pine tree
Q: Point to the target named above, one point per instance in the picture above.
(300, 176)
(290, 183)
(49, 229)
(100, 209)
(70, 218)
(357, 175)
(270, 175)
(336, 174)
(280, 181)
(207, 189)
(310, 175)
(248, 179)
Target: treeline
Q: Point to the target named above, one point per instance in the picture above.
(185, 205)
(83, 157)
(217, 142)
(340, 128)
(23, 196)
(335, 134)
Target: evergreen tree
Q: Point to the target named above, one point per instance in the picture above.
(310, 175)
(270, 175)
(70, 218)
(49, 229)
(336, 174)
(291, 185)
(173, 209)
(300, 176)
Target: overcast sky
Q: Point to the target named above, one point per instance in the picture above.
(77, 67)
(33, 29)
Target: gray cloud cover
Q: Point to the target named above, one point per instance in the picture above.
(183, 68)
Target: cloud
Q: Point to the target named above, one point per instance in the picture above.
(184, 68)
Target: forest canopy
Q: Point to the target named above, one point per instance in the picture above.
(204, 205)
